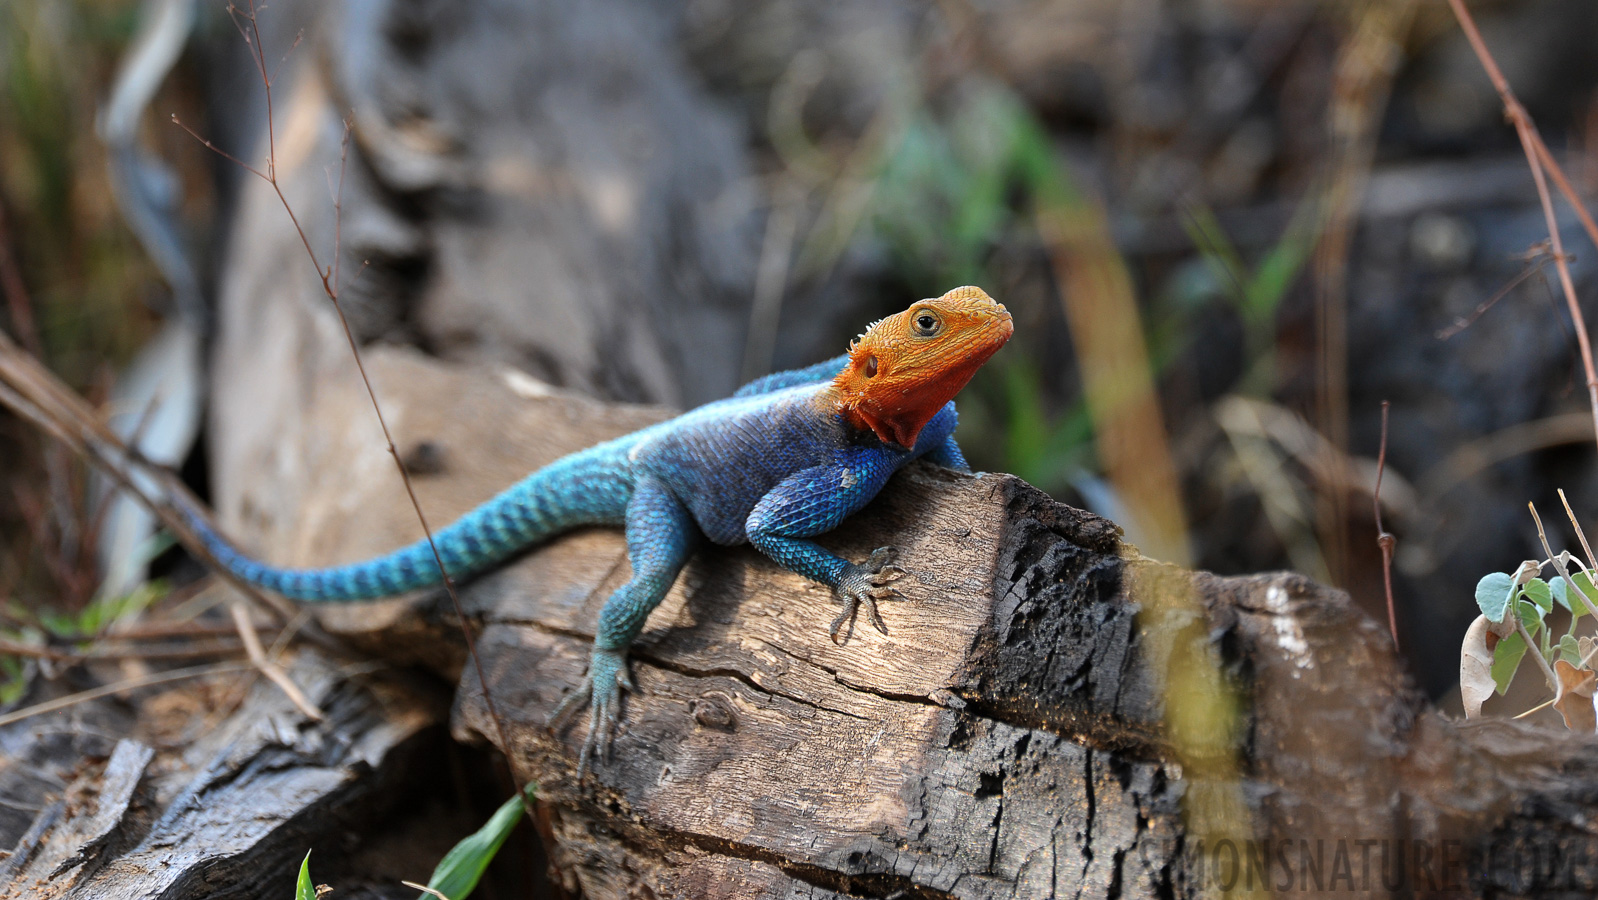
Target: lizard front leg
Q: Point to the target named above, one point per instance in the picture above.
(661, 535)
(814, 501)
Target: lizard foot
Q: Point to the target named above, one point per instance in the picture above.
(864, 584)
(601, 689)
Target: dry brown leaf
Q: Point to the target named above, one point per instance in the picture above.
(1575, 697)
(1527, 571)
(1476, 665)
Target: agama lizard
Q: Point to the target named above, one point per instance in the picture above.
(786, 458)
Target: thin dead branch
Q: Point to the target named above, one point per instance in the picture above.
(185, 651)
(247, 22)
(273, 672)
(1384, 540)
(108, 690)
(1539, 159)
(1362, 81)
(1580, 535)
(1463, 322)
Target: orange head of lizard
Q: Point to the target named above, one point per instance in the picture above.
(907, 366)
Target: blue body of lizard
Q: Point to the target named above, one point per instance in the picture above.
(772, 466)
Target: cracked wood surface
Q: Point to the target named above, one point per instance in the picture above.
(230, 813)
(872, 778)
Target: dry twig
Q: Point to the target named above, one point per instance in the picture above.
(274, 673)
(120, 686)
(1539, 158)
(186, 651)
(1383, 539)
(247, 22)
(1580, 535)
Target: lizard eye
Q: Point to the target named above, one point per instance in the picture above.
(925, 323)
(871, 367)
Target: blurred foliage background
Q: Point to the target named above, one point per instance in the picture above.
(77, 285)
(1291, 205)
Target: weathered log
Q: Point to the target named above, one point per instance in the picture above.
(232, 812)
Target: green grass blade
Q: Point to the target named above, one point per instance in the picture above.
(458, 873)
(304, 889)
(1282, 265)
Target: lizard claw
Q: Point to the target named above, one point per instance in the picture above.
(601, 690)
(888, 575)
(865, 584)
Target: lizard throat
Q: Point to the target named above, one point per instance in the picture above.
(897, 415)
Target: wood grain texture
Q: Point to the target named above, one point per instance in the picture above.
(232, 813)
(851, 768)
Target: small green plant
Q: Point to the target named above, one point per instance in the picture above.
(1532, 600)
(304, 888)
(1256, 293)
(462, 867)
(457, 874)
(39, 628)
(102, 612)
(1515, 623)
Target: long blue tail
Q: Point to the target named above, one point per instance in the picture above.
(587, 488)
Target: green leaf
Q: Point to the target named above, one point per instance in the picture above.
(1506, 659)
(1585, 587)
(463, 865)
(305, 889)
(1531, 615)
(1539, 593)
(1492, 595)
(1570, 650)
(1560, 592)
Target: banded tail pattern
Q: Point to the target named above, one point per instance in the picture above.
(591, 487)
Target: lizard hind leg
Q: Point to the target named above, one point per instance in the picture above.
(661, 535)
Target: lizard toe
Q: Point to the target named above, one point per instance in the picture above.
(887, 575)
(850, 606)
(575, 700)
(602, 689)
(874, 615)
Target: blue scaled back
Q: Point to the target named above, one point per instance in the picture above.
(720, 461)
